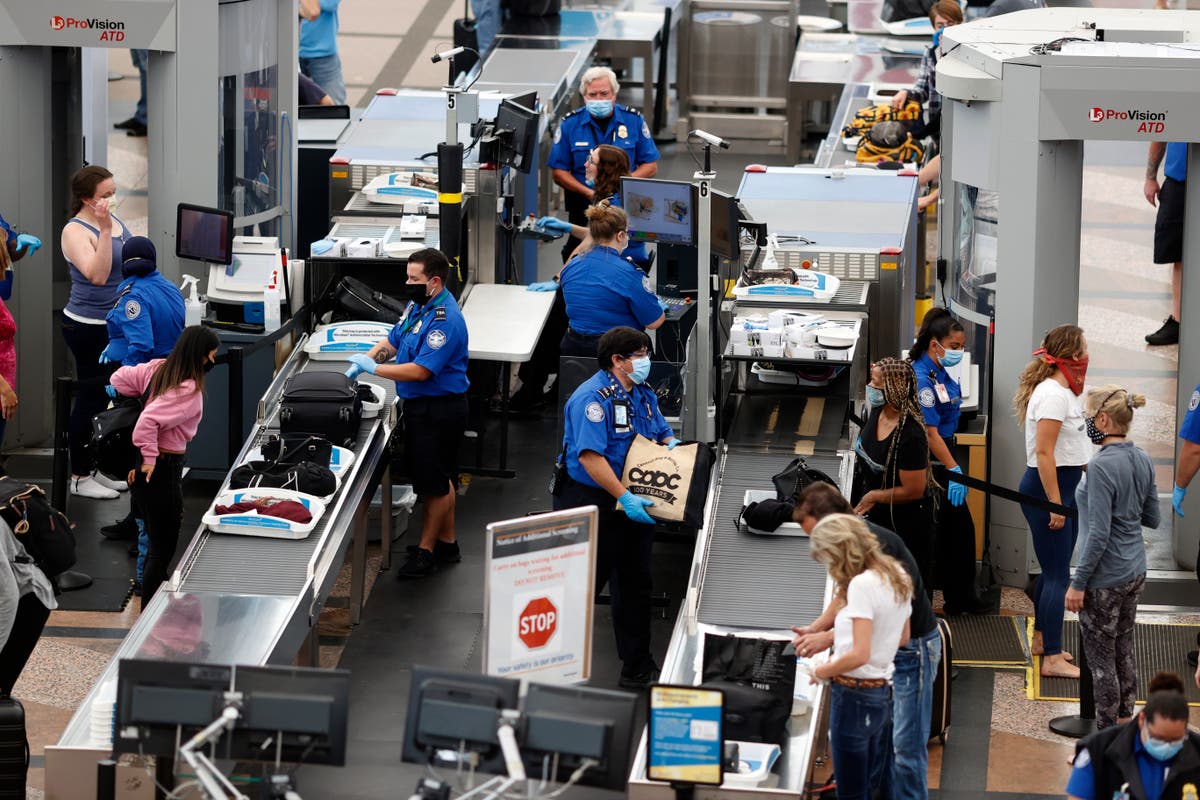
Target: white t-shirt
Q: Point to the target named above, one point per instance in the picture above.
(870, 596)
(1052, 400)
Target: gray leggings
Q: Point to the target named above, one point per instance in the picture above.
(1106, 626)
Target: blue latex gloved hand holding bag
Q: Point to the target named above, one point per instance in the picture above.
(957, 492)
(554, 224)
(1177, 496)
(360, 363)
(28, 240)
(114, 352)
(544, 286)
(111, 391)
(635, 507)
(672, 443)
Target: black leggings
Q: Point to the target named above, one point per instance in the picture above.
(160, 502)
(26, 630)
(86, 342)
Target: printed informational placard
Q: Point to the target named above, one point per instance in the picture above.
(686, 740)
(539, 585)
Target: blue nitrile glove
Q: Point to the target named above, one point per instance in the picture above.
(321, 246)
(111, 391)
(635, 507)
(364, 363)
(544, 286)
(30, 241)
(554, 224)
(1177, 496)
(353, 371)
(672, 443)
(957, 492)
(115, 351)
(664, 305)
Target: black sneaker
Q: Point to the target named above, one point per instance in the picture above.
(639, 680)
(137, 130)
(127, 124)
(419, 565)
(120, 531)
(444, 552)
(1167, 334)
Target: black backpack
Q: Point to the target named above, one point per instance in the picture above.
(795, 478)
(40, 527)
(111, 445)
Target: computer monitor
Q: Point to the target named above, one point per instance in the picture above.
(516, 129)
(292, 714)
(160, 703)
(448, 710)
(724, 235)
(575, 724)
(659, 211)
(204, 234)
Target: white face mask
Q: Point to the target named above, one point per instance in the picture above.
(112, 203)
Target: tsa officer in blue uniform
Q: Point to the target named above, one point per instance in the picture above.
(603, 290)
(600, 121)
(940, 345)
(426, 355)
(599, 424)
(148, 316)
(1189, 454)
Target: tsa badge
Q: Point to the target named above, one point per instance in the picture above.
(622, 132)
(1189, 791)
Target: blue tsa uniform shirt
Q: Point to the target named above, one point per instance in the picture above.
(147, 318)
(602, 417)
(1190, 430)
(603, 290)
(433, 336)
(579, 133)
(939, 396)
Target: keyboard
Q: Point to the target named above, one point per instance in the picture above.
(677, 307)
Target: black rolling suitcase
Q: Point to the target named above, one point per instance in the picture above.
(939, 724)
(324, 404)
(14, 749)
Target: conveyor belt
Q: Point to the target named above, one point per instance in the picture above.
(764, 582)
(227, 563)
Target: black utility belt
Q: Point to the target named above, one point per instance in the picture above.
(427, 399)
(583, 337)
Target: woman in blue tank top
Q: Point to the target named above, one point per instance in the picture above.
(91, 242)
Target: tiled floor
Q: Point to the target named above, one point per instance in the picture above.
(999, 741)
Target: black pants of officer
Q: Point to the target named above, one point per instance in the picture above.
(623, 560)
(578, 345)
(954, 550)
(544, 361)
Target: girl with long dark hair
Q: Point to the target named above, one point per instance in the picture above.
(893, 480)
(1056, 449)
(175, 404)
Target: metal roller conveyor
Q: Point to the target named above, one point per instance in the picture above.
(751, 585)
(255, 600)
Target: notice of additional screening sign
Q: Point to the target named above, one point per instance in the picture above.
(539, 587)
(685, 738)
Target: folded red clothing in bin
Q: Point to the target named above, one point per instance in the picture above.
(270, 507)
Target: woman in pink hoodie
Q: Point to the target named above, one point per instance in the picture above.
(167, 423)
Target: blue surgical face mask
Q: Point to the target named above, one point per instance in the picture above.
(641, 369)
(600, 109)
(1160, 750)
(951, 358)
(875, 397)
(937, 37)
(589, 182)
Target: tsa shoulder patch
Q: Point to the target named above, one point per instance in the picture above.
(926, 397)
(594, 412)
(133, 309)
(557, 134)
(1194, 403)
(645, 130)
(1083, 759)
(436, 339)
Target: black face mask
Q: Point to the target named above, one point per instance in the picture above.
(209, 366)
(416, 292)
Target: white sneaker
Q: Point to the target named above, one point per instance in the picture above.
(109, 483)
(88, 487)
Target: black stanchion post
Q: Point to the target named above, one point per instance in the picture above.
(1079, 725)
(62, 461)
(237, 391)
(106, 780)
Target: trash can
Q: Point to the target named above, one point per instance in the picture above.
(781, 46)
(725, 51)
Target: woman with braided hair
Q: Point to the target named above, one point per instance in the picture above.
(1056, 450)
(893, 480)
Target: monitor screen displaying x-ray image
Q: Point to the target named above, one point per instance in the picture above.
(204, 234)
(659, 211)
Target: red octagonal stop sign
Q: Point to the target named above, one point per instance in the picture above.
(537, 623)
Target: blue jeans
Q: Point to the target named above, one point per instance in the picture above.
(859, 721)
(1053, 549)
(904, 774)
(143, 547)
(141, 58)
(326, 72)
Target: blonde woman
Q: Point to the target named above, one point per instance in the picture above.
(871, 625)
(1117, 499)
(1056, 450)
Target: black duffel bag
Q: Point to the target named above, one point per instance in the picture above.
(758, 677)
(292, 448)
(305, 477)
(357, 301)
(111, 445)
(796, 477)
(324, 404)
